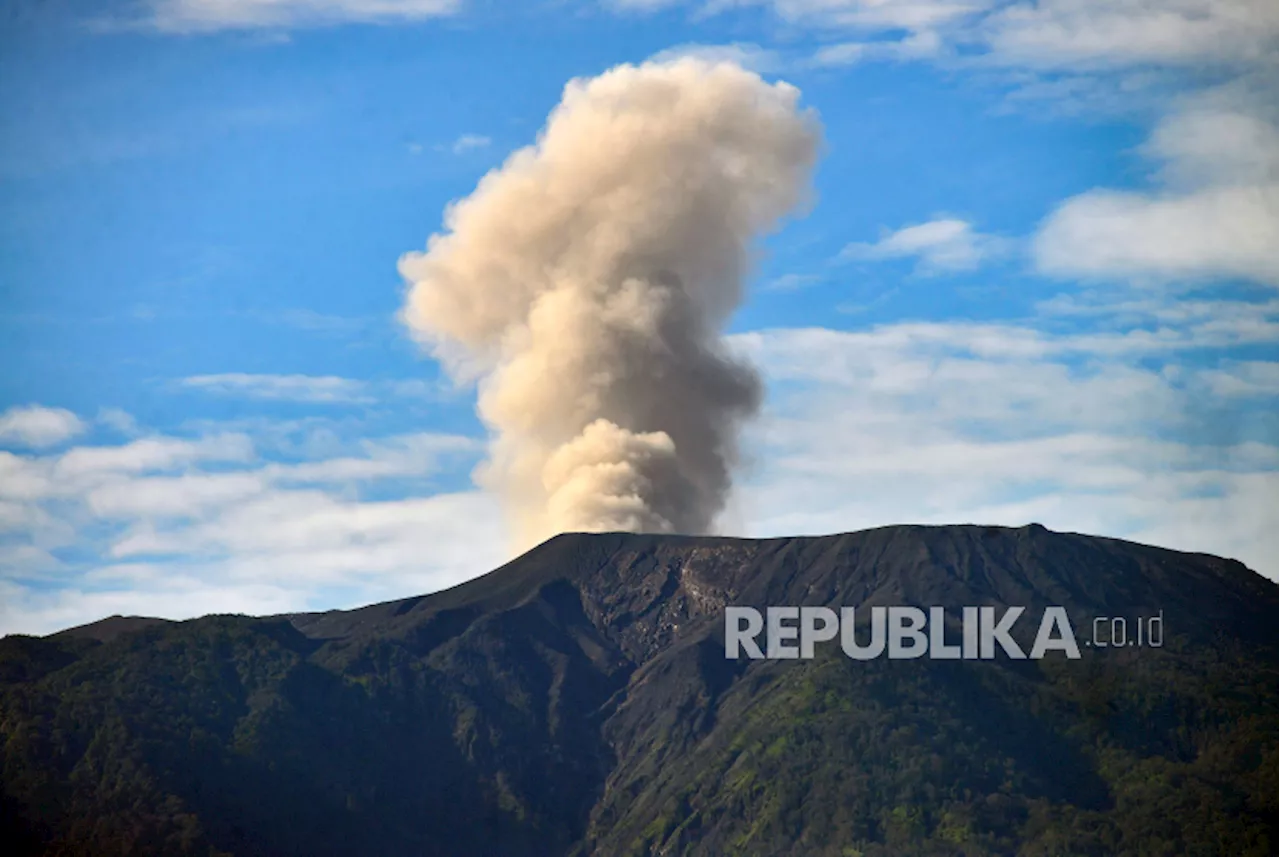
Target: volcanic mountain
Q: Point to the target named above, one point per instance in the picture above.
(577, 702)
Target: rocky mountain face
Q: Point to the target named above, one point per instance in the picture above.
(578, 701)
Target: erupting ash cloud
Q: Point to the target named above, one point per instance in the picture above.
(586, 281)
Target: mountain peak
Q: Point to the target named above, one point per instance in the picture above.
(577, 702)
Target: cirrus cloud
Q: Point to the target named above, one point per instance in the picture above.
(289, 388)
(943, 244)
(203, 16)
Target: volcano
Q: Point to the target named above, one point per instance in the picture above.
(577, 702)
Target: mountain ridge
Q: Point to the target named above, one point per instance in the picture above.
(577, 701)
(315, 623)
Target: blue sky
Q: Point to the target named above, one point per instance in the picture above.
(1037, 281)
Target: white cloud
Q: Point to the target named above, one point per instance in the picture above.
(22, 478)
(289, 388)
(1212, 141)
(844, 53)
(118, 420)
(312, 537)
(108, 479)
(1099, 431)
(1111, 33)
(1215, 215)
(945, 244)
(1213, 212)
(1217, 232)
(1200, 326)
(317, 322)
(33, 611)
(195, 16)
(748, 55)
(1243, 378)
(181, 496)
(36, 426)
(791, 282)
(1009, 424)
(401, 457)
(914, 15)
(205, 518)
(1247, 321)
(922, 45)
(315, 389)
(151, 454)
(1048, 34)
(1054, 49)
(469, 142)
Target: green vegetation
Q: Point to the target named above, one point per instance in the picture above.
(549, 709)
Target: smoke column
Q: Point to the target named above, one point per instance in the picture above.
(585, 283)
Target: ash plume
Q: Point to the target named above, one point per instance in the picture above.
(585, 283)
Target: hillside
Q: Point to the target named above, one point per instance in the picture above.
(577, 701)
